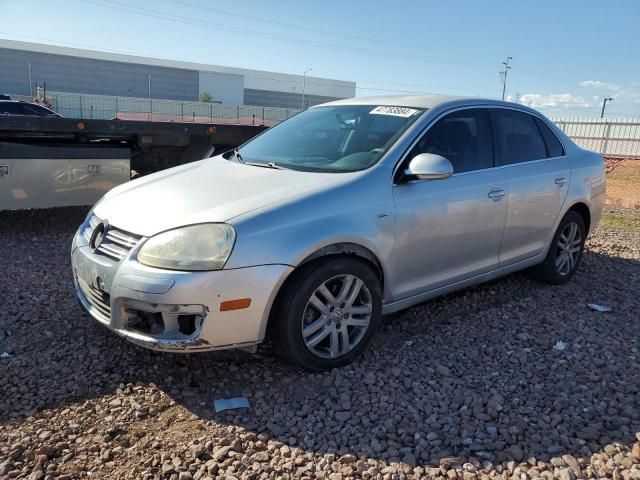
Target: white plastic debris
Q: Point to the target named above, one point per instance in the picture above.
(408, 343)
(230, 404)
(598, 308)
(5, 355)
(560, 345)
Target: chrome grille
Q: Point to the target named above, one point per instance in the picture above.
(116, 244)
(98, 301)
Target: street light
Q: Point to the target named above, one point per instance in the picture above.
(304, 85)
(150, 109)
(30, 84)
(604, 104)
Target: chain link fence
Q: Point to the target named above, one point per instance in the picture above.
(74, 105)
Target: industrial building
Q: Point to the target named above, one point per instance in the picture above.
(73, 70)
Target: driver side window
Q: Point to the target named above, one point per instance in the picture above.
(462, 137)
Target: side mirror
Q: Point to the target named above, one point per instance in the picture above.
(429, 166)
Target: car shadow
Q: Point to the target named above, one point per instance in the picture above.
(508, 370)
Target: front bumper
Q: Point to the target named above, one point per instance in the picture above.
(174, 310)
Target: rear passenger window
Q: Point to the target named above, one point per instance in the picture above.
(554, 147)
(462, 137)
(519, 136)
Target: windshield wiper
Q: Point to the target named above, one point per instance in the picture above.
(236, 153)
(266, 165)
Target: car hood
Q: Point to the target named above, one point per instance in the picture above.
(212, 190)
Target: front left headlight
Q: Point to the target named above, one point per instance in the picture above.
(197, 247)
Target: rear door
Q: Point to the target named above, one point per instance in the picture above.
(537, 173)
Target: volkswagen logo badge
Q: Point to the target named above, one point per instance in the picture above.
(98, 234)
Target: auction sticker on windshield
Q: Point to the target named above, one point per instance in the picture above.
(395, 111)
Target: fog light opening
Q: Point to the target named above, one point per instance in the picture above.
(187, 324)
(150, 323)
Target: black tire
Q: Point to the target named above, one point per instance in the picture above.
(288, 316)
(547, 271)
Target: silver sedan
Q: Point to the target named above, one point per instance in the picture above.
(347, 211)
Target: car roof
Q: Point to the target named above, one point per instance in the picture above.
(424, 101)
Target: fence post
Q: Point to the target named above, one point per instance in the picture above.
(238, 113)
(91, 112)
(81, 107)
(193, 118)
(253, 119)
(607, 131)
(211, 112)
(116, 115)
(182, 111)
(263, 115)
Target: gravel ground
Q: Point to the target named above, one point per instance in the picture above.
(512, 379)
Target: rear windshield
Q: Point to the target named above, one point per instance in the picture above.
(343, 138)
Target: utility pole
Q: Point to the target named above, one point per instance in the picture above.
(503, 75)
(604, 104)
(30, 84)
(304, 85)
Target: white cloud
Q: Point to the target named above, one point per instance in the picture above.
(598, 85)
(558, 100)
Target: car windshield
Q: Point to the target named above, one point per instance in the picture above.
(343, 138)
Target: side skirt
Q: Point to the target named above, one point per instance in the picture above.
(404, 303)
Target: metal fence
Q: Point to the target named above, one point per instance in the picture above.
(611, 137)
(75, 105)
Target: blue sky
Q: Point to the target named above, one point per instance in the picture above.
(567, 55)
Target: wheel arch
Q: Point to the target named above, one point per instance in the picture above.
(325, 253)
(583, 210)
(347, 248)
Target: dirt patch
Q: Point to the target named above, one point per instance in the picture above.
(623, 183)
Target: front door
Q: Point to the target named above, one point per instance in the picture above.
(449, 230)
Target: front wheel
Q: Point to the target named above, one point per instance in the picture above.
(565, 252)
(328, 313)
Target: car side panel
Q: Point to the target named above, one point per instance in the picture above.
(359, 212)
(536, 193)
(448, 230)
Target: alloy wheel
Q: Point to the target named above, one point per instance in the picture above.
(568, 249)
(337, 316)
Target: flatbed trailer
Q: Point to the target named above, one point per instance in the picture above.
(53, 162)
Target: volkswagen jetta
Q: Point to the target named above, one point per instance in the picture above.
(314, 229)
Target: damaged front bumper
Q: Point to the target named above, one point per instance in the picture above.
(174, 310)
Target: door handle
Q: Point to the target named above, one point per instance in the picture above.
(497, 194)
(560, 181)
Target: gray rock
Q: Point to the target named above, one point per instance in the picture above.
(343, 416)
(220, 453)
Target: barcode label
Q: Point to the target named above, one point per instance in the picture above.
(395, 111)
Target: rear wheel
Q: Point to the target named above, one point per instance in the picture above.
(565, 252)
(328, 313)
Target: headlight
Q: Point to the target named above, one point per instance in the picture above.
(198, 247)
